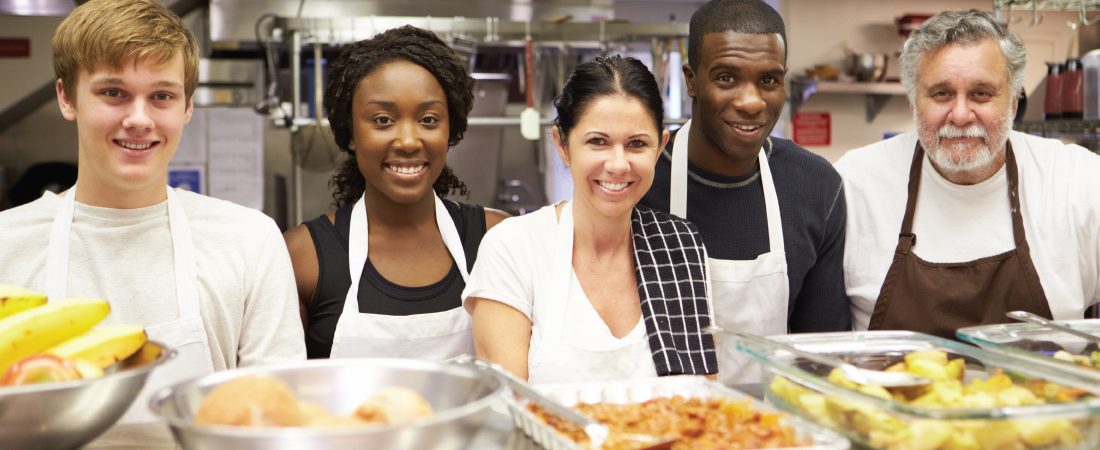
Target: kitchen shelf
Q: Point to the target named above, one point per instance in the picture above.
(875, 93)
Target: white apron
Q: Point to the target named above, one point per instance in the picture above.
(558, 356)
(747, 296)
(186, 335)
(435, 336)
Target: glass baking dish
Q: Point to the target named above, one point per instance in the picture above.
(640, 390)
(1042, 345)
(882, 420)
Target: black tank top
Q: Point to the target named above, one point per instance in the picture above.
(378, 295)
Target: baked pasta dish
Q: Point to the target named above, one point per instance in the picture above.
(694, 423)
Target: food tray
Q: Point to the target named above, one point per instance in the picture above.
(801, 387)
(635, 391)
(1037, 343)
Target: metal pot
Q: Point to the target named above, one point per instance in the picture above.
(460, 395)
(868, 66)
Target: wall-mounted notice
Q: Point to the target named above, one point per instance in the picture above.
(235, 155)
(812, 128)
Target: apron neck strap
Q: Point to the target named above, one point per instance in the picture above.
(183, 253)
(906, 237)
(359, 237)
(1014, 199)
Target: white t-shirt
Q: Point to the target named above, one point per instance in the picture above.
(1060, 202)
(515, 266)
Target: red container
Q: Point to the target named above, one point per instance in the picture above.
(1073, 85)
(909, 22)
(1052, 104)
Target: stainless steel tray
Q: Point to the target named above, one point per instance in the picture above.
(636, 391)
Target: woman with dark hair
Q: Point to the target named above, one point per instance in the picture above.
(396, 104)
(597, 288)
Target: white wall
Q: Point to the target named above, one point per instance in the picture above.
(25, 74)
(44, 135)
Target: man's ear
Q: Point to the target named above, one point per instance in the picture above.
(563, 151)
(190, 110)
(68, 107)
(689, 79)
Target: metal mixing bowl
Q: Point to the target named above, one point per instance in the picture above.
(460, 395)
(69, 414)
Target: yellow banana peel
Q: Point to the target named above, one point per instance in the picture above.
(103, 345)
(14, 299)
(37, 329)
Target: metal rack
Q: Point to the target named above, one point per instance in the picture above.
(1046, 5)
(483, 30)
(1004, 8)
(297, 33)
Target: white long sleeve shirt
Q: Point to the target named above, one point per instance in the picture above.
(1059, 198)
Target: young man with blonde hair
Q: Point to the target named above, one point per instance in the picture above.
(206, 277)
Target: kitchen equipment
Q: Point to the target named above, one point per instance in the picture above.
(640, 390)
(460, 395)
(529, 118)
(1025, 316)
(1090, 62)
(868, 66)
(69, 414)
(856, 374)
(877, 421)
(1052, 103)
(1073, 90)
(1039, 343)
(910, 22)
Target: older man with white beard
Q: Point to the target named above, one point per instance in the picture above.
(1005, 221)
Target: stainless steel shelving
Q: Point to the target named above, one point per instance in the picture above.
(311, 34)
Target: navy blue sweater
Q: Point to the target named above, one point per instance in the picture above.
(730, 215)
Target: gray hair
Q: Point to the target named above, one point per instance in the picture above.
(963, 27)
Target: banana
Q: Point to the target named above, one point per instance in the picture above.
(34, 330)
(14, 299)
(102, 346)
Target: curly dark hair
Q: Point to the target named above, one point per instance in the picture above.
(408, 43)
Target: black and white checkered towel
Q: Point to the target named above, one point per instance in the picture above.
(671, 265)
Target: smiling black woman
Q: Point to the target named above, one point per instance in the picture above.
(381, 275)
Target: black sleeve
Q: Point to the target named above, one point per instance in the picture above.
(822, 304)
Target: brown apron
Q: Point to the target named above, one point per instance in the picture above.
(939, 298)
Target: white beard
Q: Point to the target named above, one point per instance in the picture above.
(959, 159)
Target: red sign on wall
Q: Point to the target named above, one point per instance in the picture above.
(15, 48)
(812, 128)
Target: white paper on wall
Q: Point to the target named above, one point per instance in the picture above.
(235, 170)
